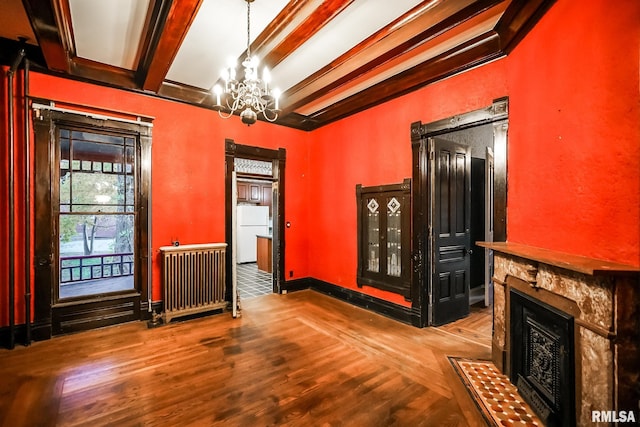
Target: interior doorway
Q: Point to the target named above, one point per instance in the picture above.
(254, 220)
(457, 201)
(254, 228)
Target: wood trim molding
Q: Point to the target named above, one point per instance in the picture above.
(377, 305)
(175, 28)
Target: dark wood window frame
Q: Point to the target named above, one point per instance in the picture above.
(383, 278)
(128, 306)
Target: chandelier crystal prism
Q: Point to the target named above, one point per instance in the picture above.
(252, 95)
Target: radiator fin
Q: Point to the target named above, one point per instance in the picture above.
(193, 279)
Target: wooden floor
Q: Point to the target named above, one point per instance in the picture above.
(302, 359)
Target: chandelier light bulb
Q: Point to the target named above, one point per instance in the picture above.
(249, 95)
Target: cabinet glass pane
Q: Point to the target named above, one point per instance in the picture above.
(393, 237)
(373, 236)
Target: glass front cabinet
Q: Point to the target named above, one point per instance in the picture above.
(384, 214)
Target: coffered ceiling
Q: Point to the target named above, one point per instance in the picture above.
(330, 58)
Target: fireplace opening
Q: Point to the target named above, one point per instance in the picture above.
(542, 358)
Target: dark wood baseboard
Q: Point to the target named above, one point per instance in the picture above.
(377, 305)
(296, 284)
(39, 332)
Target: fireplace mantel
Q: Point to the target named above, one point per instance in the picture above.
(604, 300)
(584, 265)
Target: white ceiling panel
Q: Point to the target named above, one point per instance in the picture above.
(337, 37)
(108, 31)
(217, 34)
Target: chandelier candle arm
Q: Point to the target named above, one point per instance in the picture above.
(251, 94)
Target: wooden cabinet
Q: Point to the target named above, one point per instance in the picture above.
(255, 192)
(384, 237)
(265, 254)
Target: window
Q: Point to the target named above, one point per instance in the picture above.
(97, 211)
(384, 237)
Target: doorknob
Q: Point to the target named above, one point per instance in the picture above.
(470, 251)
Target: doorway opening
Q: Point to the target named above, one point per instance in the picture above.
(459, 196)
(254, 228)
(254, 220)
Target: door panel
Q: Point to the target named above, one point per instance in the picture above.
(450, 225)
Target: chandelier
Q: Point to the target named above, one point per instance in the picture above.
(251, 95)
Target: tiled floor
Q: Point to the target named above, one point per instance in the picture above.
(496, 397)
(253, 282)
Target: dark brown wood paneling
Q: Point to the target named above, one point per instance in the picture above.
(168, 21)
(178, 21)
(43, 20)
(384, 45)
(91, 315)
(43, 247)
(321, 16)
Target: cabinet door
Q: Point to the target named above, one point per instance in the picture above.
(266, 196)
(383, 237)
(243, 192)
(255, 193)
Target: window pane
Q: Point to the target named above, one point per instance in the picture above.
(97, 188)
(94, 152)
(373, 236)
(393, 237)
(96, 254)
(97, 137)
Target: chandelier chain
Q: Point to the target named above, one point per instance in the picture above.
(250, 95)
(248, 29)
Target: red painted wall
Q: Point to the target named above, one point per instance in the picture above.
(187, 172)
(574, 138)
(573, 144)
(573, 154)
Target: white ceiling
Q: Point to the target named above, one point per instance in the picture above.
(122, 20)
(217, 35)
(330, 58)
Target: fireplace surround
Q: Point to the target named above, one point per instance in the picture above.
(603, 301)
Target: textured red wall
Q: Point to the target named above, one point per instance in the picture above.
(19, 190)
(374, 148)
(573, 153)
(574, 138)
(187, 172)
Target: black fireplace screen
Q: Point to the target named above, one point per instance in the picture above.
(542, 358)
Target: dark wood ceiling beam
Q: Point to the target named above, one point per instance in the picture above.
(475, 52)
(314, 22)
(178, 21)
(86, 69)
(418, 25)
(42, 15)
(519, 19)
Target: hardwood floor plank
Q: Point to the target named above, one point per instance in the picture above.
(300, 359)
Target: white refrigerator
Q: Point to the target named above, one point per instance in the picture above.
(252, 221)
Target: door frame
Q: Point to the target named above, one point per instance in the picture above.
(98, 311)
(422, 189)
(278, 159)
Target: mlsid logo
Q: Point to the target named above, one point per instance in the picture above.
(613, 417)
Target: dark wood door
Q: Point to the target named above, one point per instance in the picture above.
(450, 164)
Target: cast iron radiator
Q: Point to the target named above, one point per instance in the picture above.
(193, 278)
